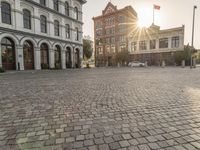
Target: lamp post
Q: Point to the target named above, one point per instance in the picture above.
(191, 51)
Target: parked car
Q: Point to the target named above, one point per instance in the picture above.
(136, 64)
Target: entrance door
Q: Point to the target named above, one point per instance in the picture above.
(28, 55)
(44, 52)
(68, 58)
(8, 54)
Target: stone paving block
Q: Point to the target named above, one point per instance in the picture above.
(114, 145)
(124, 143)
(104, 147)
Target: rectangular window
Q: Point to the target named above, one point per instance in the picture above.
(152, 44)
(107, 40)
(133, 46)
(143, 45)
(163, 43)
(113, 40)
(43, 2)
(175, 42)
(122, 39)
(55, 5)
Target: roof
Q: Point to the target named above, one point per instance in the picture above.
(110, 9)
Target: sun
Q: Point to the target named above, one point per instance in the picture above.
(144, 16)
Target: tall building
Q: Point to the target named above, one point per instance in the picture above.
(111, 32)
(40, 34)
(155, 46)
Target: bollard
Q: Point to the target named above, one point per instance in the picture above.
(163, 64)
(183, 63)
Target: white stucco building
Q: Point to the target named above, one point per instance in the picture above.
(154, 46)
(40, 34)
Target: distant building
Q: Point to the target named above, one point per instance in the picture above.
(111, 33)
(40, 34)
(153, 45)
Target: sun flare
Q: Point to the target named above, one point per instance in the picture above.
(144, 16)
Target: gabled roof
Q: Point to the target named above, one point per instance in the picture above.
(109, 9)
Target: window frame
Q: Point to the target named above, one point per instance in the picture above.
(56, 5)
(66, 8)
(56, 28)
(27, 19)
(67, 30)
(43, 23)
(43, 2)
(163, 45)
(6, 13)
(175, 42)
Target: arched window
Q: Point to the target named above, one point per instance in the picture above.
(55, 5)
(76, 13)
(5, 13)
(77, 36)
(67, 31)
(67, 8)
(43, 24)
(27, 19)
(8, 54)
(57, 56)
(56, 28)
(28, 55)
(44, 50)
(43, 2)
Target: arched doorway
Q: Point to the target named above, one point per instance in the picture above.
(68, 58)
(77, 58)
(44, 50)
(8, 54)
(28, 55)
(57, 57)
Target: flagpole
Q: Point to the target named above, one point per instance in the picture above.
(153, 14)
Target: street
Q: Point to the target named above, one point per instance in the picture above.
(103, 108)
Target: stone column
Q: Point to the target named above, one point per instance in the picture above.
(20, 57)
(37, 28)
(51, 58)
(37, 58)
(81, 56)
(73, 50)
(63, 59)
(157, 44)
(51, 25)
(17, 16)
(169, 42)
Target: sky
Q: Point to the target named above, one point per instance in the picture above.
(173, 13)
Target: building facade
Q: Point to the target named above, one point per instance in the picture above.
(155, 46)
(40, 34)
(111, 32)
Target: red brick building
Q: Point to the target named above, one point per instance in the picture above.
(111, 33)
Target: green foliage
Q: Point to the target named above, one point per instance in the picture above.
(57, 67)
(45, 66)
(2, 70)
(88, 66)
(183, 55)
(87, 48)
(122, 57)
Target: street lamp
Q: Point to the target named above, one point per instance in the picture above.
(192, 49)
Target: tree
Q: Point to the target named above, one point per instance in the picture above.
(122, 57)
(183, 55)
(87, 48)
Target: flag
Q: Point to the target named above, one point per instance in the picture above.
(157, 7)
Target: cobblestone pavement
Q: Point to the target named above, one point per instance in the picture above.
(126, 109)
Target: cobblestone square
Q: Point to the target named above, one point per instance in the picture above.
(101, 109)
